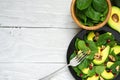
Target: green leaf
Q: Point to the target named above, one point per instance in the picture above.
(91, 55)
(76, 69)
(72, 55)
(92, 14)
(102, 40)
(83, 4)
(92, 45)
(82, 46)
(99, 5)
(76, 43)
(84, 64)
(91, 72)
(113, 67)
(99, 69)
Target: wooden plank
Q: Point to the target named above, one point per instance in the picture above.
(35, 45)
(36, 13)
(31, 71)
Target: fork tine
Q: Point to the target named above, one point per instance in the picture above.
(80, 55)
(82, 58)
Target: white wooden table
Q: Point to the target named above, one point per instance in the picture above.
(34, 37)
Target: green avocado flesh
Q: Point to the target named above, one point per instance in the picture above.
(104, 54)
(93, 78)
(114, 20)
(102, 61)
(116, 49)
(91, 35)
(107, 75)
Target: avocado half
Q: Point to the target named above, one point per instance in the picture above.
(114, 20)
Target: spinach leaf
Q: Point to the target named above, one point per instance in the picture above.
(91, 72)
(81, 16)
(99, 5)
(91, 55)
(102, 40)
(84, 64)
(92, 14)
(82, 46)
(104, 15)
(76, 69)
(113, 67)
(76, 43)
(72, 55)
(92, 45)
(99, 69)
(83, 4)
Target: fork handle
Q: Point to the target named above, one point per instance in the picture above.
(54, 73)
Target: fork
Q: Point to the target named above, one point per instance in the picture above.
(73, 62)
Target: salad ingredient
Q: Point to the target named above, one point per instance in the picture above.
(102, 61)
(109, 64)
(107, 75)
(114, 20)
(91, 35)
(104, 55)
(116, 49)
(93, 78)
(85, 70)
(91, 12)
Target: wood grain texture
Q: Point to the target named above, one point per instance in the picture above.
(35, 45)
(36, 13)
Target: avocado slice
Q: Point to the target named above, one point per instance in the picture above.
(104, 55)
(93, 78)
(107, 75)
(114, 20)
(109, 64)
(90, 36)
(116, 49)
(85, 70)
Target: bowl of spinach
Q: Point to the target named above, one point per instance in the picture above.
(90, 14)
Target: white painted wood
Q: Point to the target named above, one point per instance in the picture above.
(35, 45)
(36, 13)
(31, 71)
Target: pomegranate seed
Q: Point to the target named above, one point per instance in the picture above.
(114, 74)
(108, 41)
(81, 75)
(97, 75)
(90, 66)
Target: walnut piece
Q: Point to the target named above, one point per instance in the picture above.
(98, 56)
(112, 58)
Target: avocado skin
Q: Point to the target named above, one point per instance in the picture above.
(114, 25)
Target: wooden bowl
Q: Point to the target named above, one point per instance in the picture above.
(95, 27)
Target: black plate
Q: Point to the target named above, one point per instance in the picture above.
(80, 35)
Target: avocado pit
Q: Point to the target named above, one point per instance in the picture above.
(115, 18)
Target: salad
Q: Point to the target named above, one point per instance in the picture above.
(102, 61)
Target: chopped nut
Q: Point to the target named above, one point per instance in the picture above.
(98, 56)
(97, 34)
(117, 68)
(88, 52)
(103, 47)
(112, 58)
(96, 38)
